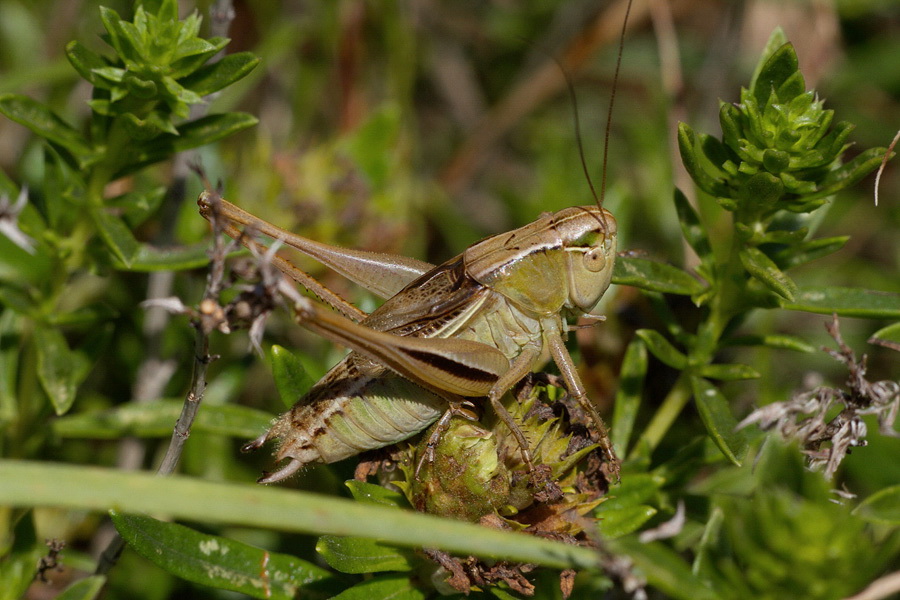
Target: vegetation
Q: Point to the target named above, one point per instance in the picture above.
(373, 132)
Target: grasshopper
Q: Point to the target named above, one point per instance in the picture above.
(469, 328)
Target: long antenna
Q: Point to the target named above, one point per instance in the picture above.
(612, 99)
(573, 96)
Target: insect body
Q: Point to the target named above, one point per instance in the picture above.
(471, 327)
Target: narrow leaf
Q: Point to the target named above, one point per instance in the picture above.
(156, 419)
(655, 276)
(779, 342)
(44, 122)
(199, 132)
(728, 372)
(136, 206)
(222, 563)
(622, 521)
(149, 258)
(31, 483)
(291, 378)
(375, 494)
(693, 159)
(850, 172)
(628, 397)
(887, 336)
(719, 420)
(776, 41)
(691, 226)
(767, 272)
(85, 61)
(218, 75)
(20, 555)
(86, 589)
(777, 69)
(9, 366)
(664, 569)
(362, 555)
(60, 370)
(847, 302)
(662, 349)
(881, 507)
(804, 252)
(384, 587)
(637, 488)
(117, 236)
(212, 128)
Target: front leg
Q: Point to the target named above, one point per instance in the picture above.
(560, 354)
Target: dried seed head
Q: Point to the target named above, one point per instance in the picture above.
(477, 472)
(466, 479)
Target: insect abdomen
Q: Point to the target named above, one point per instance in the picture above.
(347, 413)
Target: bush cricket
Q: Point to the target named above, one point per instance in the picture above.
(470, 328)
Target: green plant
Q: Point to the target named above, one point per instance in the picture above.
(766, 528)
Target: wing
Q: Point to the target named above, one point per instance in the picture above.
(434, 305)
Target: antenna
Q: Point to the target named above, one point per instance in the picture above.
(598, 199)
(612, 99)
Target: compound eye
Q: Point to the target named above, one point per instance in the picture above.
(594, 260)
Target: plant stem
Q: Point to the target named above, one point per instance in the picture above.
(666, 414)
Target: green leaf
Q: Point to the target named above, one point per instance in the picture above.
(881, 507)
(10, 324)
(654, 276)
(60, 370)
(86, 62)
(42, 121)
(628, 396)
(727, 372)
(112, 22)
(371, 493)
(664, 569)
(691, 226)
(776, 41)
(767, 272)
(218, 75)
(137, 206)
(887, 336)
(698, 164)
(150, 258)
(291, 378)
(33, 483)
(708, 548)
(847, 302)
(19, 560)
(779, 342)
(212, 128)
(86, 589)
(635, 489)
(199, 132)
(384, 587)
(623, 521)
(804, 252)
(850, 173)
(362, 555)
(222, 563)
(156, 419)
(719, 420)
(777, 69)
(662, 349)
(117, 236)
